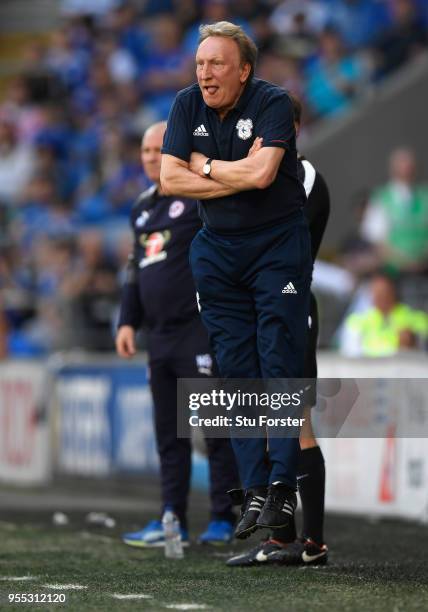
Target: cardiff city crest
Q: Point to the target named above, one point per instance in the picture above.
(245, 128)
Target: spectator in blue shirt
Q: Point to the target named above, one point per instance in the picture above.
(168, 67)
(358, 21)
(333, 78)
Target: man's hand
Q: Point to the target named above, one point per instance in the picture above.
(178, 179)
(256, 171)
(125, 342)
(197, 162)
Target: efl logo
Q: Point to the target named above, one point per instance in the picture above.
(142, 219)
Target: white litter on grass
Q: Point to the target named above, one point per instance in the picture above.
(190, 606)
(8, 526)
(59, 519)
(131, 596)
(85, 535)
(17, 578)
(65, 587)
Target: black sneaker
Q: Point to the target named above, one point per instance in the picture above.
(251, 506)
(303, 551)
(279, 507)
(256, 556)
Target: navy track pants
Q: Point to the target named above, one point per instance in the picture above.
(254, 297)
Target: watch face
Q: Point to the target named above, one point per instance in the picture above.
(206, 169)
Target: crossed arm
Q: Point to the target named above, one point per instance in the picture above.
(256, 171)
(177, 178)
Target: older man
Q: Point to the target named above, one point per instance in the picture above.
(159, 296)
(283, 546)
(252, 260)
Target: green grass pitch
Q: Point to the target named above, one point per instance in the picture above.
(374, 566)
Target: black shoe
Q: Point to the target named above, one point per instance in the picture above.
(256, 556)
(250, 510)
(303, 551)
(279, 507)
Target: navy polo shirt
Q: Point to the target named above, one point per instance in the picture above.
(262, 110)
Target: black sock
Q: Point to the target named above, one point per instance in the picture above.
(311, 484)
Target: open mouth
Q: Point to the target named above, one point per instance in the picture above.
(211, 90)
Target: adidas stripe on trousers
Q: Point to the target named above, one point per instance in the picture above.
(256, 330)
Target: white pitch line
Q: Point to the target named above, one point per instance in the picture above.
(17, 578)
(189, 606)
(131, 596)
(65, 587)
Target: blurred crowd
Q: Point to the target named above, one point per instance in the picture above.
(71, 124)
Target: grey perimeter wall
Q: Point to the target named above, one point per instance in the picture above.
(352, 151)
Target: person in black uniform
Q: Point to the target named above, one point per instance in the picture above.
(251, 262)
(283, 546)
(159, 295)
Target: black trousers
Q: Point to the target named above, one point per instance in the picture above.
(186, 354)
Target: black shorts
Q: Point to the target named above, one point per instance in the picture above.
(310, 368)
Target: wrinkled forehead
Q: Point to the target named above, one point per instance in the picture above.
(218, 47)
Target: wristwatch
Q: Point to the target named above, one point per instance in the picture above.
(206, 168)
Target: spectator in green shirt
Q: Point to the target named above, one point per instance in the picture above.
(396, 220)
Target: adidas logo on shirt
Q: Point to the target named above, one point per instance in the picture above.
(290, 288)
(200, 131)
